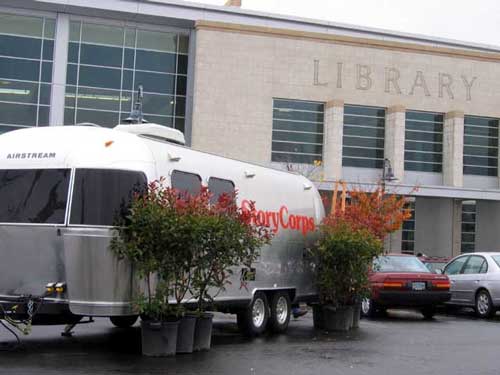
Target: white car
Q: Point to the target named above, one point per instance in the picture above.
(475, 282)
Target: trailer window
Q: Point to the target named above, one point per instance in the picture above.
(219, 186)
(33, 195)
(186, 183)
(101, 196)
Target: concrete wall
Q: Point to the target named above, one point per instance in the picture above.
(487, 226)
(434, 226)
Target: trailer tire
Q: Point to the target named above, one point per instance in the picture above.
(281, 308)
(253, 320)
(123, 321)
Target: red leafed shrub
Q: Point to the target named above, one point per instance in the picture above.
(375, 211)
(187, 242)
(351, 237)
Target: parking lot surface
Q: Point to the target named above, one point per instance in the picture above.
(401, 343)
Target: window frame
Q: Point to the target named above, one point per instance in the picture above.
(480, 268)
(220, 179)
(418, 142)
(74, 113)
(313, 144)
(69, 207)
(68, 203)
(184, 172)
(378, 148)
(455, 260)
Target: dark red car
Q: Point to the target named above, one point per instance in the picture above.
(434, 264)
(400, 281)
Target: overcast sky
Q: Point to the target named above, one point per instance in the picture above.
(468, 20)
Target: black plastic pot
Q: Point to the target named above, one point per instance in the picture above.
(337, 318)
(159, 339)
(185, 334)
(356, 315)
(318, 316)
(203, 332)
(333, 318)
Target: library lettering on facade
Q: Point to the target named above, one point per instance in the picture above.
(276, 90)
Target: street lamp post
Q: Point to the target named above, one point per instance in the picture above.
(387, 174)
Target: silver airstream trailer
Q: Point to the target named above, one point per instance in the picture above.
(61, 187)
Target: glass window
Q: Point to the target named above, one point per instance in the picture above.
(218, 187)
(156, 61)
(158, 41)
(102, 34)
(475, 264)
(101, 196)
(363, 138)
(21, 25)
(424, 141)
(33, 195)
(25, 62)
(480, 146)
(468, 226)
(297, 131)
(20, 47)
(408, 229)
(399, 264)
(455, 267)
(186, 183)
(111, 61)
(496, 258)
(101, 55)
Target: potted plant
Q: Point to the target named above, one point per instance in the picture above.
(155, 239)
(226, 236)
(351, 237)
(181, 244)
(343, 256)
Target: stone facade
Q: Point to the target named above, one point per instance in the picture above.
(239, 70)
(238, 73)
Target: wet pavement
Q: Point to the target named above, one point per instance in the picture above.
(401, 343)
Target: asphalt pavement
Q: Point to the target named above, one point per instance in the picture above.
(401, 343)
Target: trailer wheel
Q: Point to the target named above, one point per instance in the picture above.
(280, 312)
(253, 320)
(123, 321)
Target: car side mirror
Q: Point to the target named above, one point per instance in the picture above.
(439, 271)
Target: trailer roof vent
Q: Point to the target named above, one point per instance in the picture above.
(154, 131)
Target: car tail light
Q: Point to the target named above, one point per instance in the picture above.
(441, 284)
(394, 284)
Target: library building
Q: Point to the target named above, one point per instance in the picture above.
(332, 101)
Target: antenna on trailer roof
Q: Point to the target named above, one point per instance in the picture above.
(136, 116)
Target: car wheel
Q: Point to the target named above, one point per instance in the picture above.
(123, 321)
(484, 305)
(428, 312)
(280, 312)
(253, 320)
(368, 308)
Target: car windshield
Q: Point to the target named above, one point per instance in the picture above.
(399, 264)
(434, 266)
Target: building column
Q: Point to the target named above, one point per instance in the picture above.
(394, 144)
(453, 149)
(434, 226)
(487, 219)
(392, 243)
(457, 228)
(332, 140)
(61, 43)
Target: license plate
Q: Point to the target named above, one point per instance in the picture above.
(418, 285)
